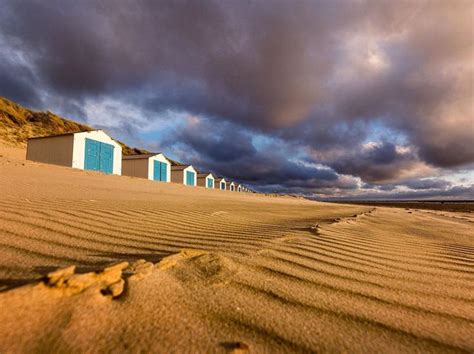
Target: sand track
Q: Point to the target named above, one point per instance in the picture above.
(277, 274)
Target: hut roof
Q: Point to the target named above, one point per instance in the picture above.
(62, 134)
(140, 156)
(180, 167)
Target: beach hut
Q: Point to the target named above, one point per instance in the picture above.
(239, 188)
(91, 150)
(231, 186)
(206, 180)
(184, 174)
(220, 183)
(154, 166)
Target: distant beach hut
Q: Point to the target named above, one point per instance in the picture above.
(206, 180)
(220, 183)
(155, 167)
(184, 174)
(239, 188)
(91, 150)
(231, 186)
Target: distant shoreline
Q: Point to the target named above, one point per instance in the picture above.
(466, 206)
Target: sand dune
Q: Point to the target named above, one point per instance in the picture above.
(168, 268)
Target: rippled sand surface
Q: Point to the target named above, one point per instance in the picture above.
(155, 267)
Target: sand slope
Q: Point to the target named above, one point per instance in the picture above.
(213, 271)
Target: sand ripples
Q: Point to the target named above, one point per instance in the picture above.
(385, 278)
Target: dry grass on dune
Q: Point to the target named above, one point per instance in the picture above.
(18, 124)
(213, 271)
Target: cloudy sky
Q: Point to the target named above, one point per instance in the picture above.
(331, 99)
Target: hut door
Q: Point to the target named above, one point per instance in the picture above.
(91, 158)
(190, 178)
(210, 183)
(99, 156)
(160, 171)
(106, 158)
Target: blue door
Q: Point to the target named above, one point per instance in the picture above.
(106, 158)
(156, 171)
(91, 157)
(222, 185)
(190, 178)
(210, 183)
(160, 171)
(164, 172)
(99, 156)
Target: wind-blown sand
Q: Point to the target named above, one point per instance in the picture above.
(222, 271)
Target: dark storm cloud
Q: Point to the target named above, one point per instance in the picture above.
(316, 74)
(17, 81)
(437, 184)
(21, 89)
(375, 163)
(230, 151)
(244, 62)
(423, 184)
(220, 143)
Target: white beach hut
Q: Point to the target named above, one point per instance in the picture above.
(184, 174)
(220, 183)
(154, 166)
(206, 180)
(91, 150)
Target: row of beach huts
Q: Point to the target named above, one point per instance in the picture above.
(97, 151)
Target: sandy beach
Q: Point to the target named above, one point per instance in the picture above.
(155, 267)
